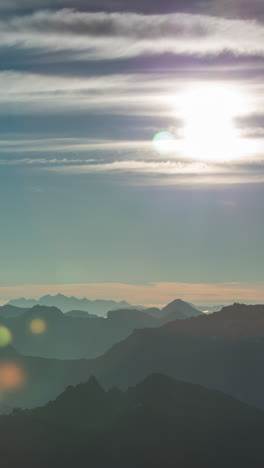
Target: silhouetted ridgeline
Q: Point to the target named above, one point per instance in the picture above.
(77, 334)
(159, 423)
(66, 304)
(223, 351)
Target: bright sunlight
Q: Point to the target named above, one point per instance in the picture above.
(209, 131)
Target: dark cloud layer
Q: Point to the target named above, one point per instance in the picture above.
(226, 8)
(109, 36)
(109, 25)
(146, 6)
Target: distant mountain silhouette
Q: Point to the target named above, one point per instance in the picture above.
(159, 423)
(179, 309)
(8, 311)
(69, 336)
(81, 314)
(223, 351)
(209, 308)
(154, 312)
(236, 321)
(66, 304)
(175, 310)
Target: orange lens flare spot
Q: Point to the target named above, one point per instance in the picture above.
(12, 377)
(38, 326)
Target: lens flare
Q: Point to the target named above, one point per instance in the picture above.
(5, 336)
(38, 326)
(12, 377)
(164, 142)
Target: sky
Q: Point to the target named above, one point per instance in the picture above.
(132, 149)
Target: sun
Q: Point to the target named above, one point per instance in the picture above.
(208, 113)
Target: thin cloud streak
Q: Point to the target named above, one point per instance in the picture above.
(70, 145)
(114, 35)
(139, 166)
(164, 171)
(152, 170)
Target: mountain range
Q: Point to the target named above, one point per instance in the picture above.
(97, 307)
(77, 334)
(160, 422)
(222, 351)
(66, 304)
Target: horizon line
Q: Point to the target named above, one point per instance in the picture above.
(149, 294)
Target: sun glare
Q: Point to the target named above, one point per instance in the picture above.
(208, 113)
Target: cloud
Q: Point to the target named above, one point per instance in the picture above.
(140, 167)
(22, 92)
(169, 171)
(225, 8)
(147, 5)
(136, 159)
(158, 94)
(70, 145)
(159, 293)
(113, 35)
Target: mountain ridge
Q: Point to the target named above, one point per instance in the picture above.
(232, 364)
(159, 422)
(78, 334)
(67, 303)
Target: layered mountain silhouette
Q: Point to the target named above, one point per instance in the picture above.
(66, 304)
(77, 334)
(223, 351)
(158, 423)
(209, 308)
(10, 311)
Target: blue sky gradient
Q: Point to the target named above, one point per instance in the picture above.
(84, 196)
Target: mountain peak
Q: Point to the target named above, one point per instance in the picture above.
(180, 309)
(93, 384)
(178, 301)
(86, 391)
